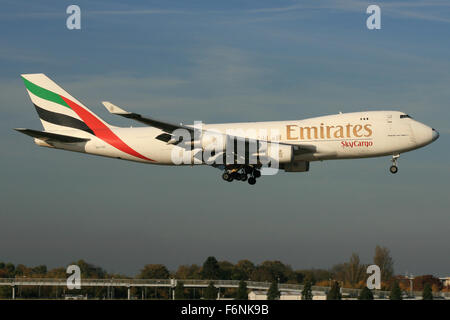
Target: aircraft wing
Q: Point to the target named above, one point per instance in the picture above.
(169, 128)
(48, 136)
(164, 126)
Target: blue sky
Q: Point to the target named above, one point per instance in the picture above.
(221, 61)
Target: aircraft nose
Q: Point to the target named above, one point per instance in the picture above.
(434, 135)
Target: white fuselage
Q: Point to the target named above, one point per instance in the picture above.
(339, 136)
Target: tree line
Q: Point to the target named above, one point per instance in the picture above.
(350, 274)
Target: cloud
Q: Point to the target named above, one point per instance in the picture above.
(395, 9)
(8, 54)
(404, 9)
(38, 14)
(137, 12)
(422, 16)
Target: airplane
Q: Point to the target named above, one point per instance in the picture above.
(240, 150)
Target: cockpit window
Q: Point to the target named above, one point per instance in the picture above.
(405, 116)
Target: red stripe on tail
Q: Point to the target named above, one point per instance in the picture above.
(102, 131)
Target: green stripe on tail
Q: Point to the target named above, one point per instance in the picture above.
(44, 93)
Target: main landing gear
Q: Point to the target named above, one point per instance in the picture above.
(394, 169)
(246, 173)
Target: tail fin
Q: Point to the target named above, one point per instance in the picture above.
(56, 108)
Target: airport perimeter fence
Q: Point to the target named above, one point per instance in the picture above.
(193, 283)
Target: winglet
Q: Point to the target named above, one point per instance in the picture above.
(114, 109)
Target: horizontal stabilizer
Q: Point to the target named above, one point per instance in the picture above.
(51, 136)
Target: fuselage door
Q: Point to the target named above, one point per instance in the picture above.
(389, 123)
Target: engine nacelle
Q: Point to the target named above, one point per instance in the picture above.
(283, 154)
(246, 150)
(213, 141)
(296, 166)
(274, 154)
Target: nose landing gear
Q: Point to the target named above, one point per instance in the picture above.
(394, 169)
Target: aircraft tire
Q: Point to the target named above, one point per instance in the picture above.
(393, 169)
(251, 180)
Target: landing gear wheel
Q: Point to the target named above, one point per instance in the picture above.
(393, 169)
(248, 169)
(244, 177)
(226, 176)
(251, 180)
(257, 173)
